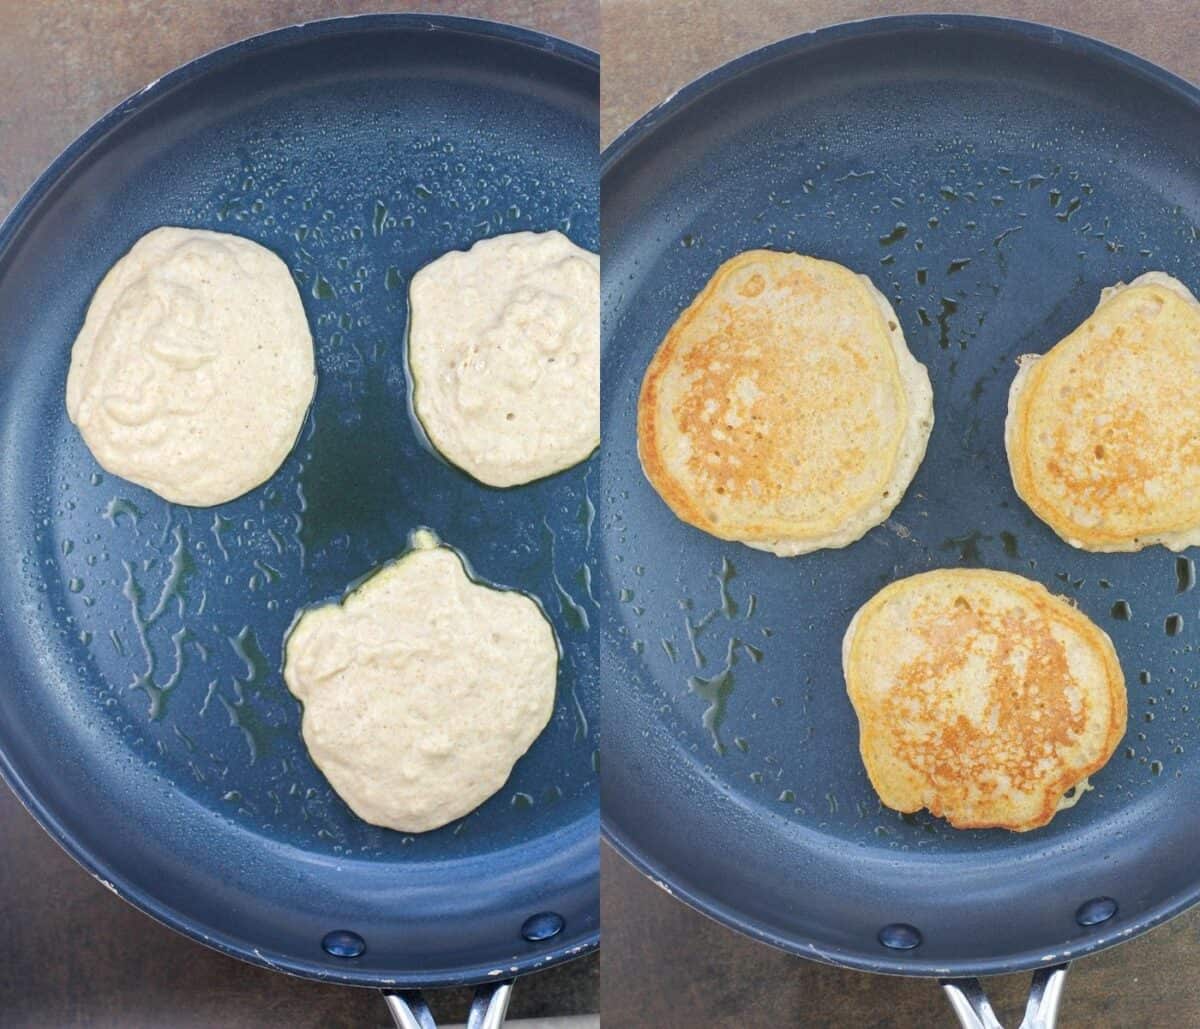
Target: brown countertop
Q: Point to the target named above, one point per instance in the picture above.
(72, 954)
(667, 966)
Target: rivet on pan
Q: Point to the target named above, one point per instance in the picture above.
(342, 943)
(899, 936)
(544, 926)
(1095, 911)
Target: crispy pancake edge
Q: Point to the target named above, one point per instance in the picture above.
(910, 378)
(1031, 372)
(1043, 600)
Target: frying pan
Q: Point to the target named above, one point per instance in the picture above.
(991, 177)
(143, 717)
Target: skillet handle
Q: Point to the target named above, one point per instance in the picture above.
(409, 1010)
(974, 1011)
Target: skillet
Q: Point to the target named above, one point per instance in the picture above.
(990, 176)
(358, 150)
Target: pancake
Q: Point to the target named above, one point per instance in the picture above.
(422, 688)
(1102, 435)
(783, 409)
(982, 697)
(504, 352)
(194, 369)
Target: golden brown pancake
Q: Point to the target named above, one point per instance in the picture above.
(783, 409)
(980, 696)
(1103, 432)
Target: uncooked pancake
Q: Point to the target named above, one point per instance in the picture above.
(504, 351)
(421, 688)
(1103, 436)
(194, 368)
(981, 696)
(783, 409)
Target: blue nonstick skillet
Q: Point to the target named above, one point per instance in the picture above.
(143, 716)
(991, 177)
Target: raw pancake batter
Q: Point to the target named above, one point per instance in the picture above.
(504, 350)
(422, 688)
(194, 368)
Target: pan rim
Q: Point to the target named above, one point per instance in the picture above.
(702, 900)
(565, 948)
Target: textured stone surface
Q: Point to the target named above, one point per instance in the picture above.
(64, 63)
(71, 953)
(664, 965)
(651, 49)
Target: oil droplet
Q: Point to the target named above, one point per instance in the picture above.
(943, 319)
(245, 645)
(219, 524)
(522, 800)
(897, 234)
(1156, 767)
(756, 778)
(729, 606)
(379, 220)
(716, 691)
(322, 288)
(181, 566)
(751, 651)
(1173, 625)
(688, 240)
(424, 192)
(958, 264)
(947, 193)
(787, 797)
(587, 516)
(967, 546)
(119, 506)
(1072, 206)
(1121, 611)
(1009, 542)
(742, 744)
(997, 240)
(1185, 574)
(392, 279)
(924, 316)
(75, 585)
(572, 611)
(922, 275)
(1144, 678)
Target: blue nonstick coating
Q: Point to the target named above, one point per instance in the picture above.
(357, 150)
(990, 177)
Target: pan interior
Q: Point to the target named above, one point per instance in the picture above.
(990, 178)
(144, 715)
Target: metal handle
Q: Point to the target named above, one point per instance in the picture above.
(974, 1011)
(488, 1008)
